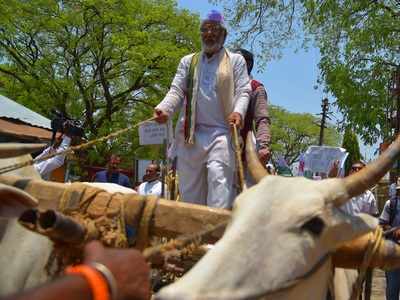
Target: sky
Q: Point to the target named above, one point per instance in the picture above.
(289, 81)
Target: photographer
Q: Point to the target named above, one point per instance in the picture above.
(47, 166)
(68, 128)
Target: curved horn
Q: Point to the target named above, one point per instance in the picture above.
(16, 149)
(357, 183)
(14, 201)
(351, 254)
(257, 171)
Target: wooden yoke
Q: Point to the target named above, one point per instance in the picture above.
(170, 218)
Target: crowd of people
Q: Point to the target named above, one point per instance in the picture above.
(213, 90)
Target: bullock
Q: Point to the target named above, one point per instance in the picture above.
(280, 241)
(24, 254)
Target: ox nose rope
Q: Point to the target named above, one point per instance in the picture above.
(373, 246)
(30, 162)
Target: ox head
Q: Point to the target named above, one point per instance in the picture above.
(281, 236)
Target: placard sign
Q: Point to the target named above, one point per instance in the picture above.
(152, 133)
(321, 158)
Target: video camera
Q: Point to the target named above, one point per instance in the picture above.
(61, 122)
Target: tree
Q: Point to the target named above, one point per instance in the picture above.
(105, 62)
(359, 43)
(293, 133)
(350, 143)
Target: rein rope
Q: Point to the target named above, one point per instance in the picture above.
(373, 245)
(71, 149)
(238, 155)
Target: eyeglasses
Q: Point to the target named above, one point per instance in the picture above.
(356, 168)
(212, 29)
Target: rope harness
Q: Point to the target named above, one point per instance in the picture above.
(374, 244)
(71, 149)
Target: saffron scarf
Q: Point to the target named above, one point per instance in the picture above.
(224, 87)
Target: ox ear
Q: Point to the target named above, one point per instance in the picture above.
(13, 201)
(16, 149)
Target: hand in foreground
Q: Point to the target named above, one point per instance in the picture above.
(334, 171)
(264, 155)
(129, 268)
(235, 119)
(160, 116)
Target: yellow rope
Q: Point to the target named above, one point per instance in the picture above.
(182, 241)
(372, 248)
(142, 240)
(71, 149)
(239, 162)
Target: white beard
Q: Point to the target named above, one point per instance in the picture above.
(214, 47)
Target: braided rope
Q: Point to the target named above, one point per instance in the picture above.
(71, 149)
(182, 241)
(373, 245)
(238, 156)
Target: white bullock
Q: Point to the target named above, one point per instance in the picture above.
(24, 254)
(281, 238)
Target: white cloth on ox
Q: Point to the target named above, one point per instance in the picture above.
(206, 169)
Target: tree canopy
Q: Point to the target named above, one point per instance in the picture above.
(293, 133)
(105, 62)
(350, 143)
(359, 43)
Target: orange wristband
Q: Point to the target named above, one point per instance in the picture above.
(97, 282)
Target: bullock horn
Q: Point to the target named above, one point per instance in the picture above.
(61, 228)
(13, 201)
(256, 169)
(16, 149)
(357, 183)
(351, 254)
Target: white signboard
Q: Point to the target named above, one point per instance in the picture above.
(321, 158)
(152, 133)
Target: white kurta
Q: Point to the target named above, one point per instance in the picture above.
(206, 169)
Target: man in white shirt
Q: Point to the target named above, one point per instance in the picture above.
(364, 203)
(212, 89)
(152, 184)
(47, 166)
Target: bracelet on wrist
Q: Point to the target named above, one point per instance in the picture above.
(100, 279)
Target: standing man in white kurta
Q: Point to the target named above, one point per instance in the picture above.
(212, 89)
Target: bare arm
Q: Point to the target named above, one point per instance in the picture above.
(65, 288)
(128, 267)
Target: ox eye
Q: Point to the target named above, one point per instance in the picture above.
(314, 226)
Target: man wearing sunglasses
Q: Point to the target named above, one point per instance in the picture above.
(212, 90)
(364, 203)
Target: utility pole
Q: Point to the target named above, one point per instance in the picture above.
(396, 95)
(325, 109)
